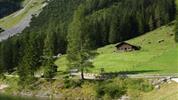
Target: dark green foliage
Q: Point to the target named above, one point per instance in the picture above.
(79, 44)
(113, 89)
(116, 88)
(1, 67)
(56, 17)
(48, 62)
(7, 56)
(1, 30)
(112, 21)
(26, 67)
(140, 85)
(176, 30)
(30, 60)
(72, 83)
(26, 50)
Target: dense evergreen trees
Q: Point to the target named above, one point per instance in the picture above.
(48, 53)
(77, 26)
(1, 67)
(26, 68)
(176, 30)
(134, 18)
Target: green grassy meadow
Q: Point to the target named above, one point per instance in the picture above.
(154, 57)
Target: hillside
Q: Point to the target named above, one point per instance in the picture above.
(66, 49)
(85, 26)
(152, 58)
(29, 7)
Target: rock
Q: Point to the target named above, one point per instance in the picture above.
(125, 98)
(157, 87)
(175, 79)
(3, 86)
(169, 82)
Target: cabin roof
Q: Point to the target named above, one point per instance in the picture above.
(122, 43)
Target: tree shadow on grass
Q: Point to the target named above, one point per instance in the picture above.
(125, 73)
(138, 72)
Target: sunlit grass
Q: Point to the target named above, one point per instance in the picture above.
(154, 57)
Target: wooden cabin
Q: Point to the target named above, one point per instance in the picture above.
(126, 47)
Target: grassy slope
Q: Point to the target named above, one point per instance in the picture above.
(30, 7)
(155, 57)
(166, 92)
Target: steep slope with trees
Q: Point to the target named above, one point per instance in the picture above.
(73, 22)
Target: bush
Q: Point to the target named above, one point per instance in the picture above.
(113, 89)
(140, 85)
(72, 83)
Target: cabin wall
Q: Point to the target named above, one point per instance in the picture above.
(125, 48)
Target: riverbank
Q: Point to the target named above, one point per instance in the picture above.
(39, 89)
(70, 88)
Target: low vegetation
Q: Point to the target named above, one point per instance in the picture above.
(162, 93)
(72, 88)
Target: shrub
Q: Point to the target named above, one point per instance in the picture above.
(113, 89)
(140, 85)
(72, 83)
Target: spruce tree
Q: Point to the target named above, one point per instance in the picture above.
(79, 44)
(26, 67)
(151, 24)
(113, 31)
(49, 68)
(6, 53)
(176, 30)
(1, 67)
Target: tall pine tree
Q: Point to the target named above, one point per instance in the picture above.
(79, 44)
(49, 68)
(26, 67)
(1, 67)
(176, 30)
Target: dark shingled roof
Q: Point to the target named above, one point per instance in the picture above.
(121, 43)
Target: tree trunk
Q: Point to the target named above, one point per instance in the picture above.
(82, 74)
